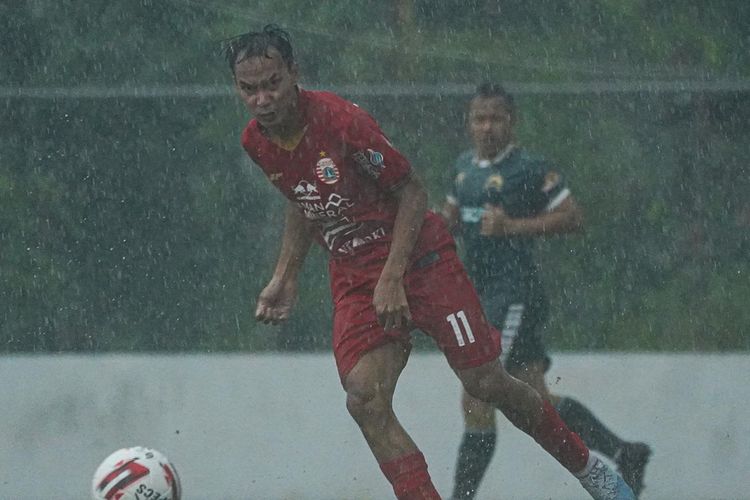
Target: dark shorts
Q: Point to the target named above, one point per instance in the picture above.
(521, 321)
(442, 301)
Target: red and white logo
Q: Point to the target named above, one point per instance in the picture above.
(326, 171)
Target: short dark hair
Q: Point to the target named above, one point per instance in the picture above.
(496, 91)
(257, 43)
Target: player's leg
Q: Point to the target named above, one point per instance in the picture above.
(369, 390)
(445, 305)
(369, 398)
(631, 457)
(527, 410)
(528, 361)
(577, 416)
(370, 360)
(479, 439)
(476, 448)
(526, 356)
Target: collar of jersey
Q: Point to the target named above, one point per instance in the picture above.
(291, 143)
(497, 159)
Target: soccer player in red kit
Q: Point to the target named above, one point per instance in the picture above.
(393, 266)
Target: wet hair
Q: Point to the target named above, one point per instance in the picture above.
(256, 44)
(496, 91)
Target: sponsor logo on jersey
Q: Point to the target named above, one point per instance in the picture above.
(471, 215)
(306, 191)
(350, 246)
(276, 176)
(334, 208)
(370, 161)
(494, 183)
(376, 158)
(327, 171)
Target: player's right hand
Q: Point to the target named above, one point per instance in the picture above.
(275, 302)
(494, 222)
(391, 306)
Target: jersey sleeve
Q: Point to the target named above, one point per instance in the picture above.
(248, 144)
(552, 188)
(452, 195)
(374, 155)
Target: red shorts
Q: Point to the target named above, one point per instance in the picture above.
(442, 301)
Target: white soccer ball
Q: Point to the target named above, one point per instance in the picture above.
(136, 473)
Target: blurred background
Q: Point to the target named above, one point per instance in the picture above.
(130, 219)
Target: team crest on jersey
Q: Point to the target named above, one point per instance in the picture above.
(494, 183)
(551, 181)
(327, 171)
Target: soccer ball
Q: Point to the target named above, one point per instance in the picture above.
(136, 473)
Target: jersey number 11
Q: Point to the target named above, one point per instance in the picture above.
(451, 318)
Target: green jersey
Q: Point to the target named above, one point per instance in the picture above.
(522, 184)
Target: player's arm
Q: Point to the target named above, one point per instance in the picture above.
(392, 173)
(450, 213)
(277, 298)
(412, 206)
(451, 210)
(567, 217)
(295, 243)
(560, 215)
(389, 297)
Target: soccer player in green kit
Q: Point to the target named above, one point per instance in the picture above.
(503, 197)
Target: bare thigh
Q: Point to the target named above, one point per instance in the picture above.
(480, 415)
(376, 372)
(493, 385)
(369, 398)
(533, 373)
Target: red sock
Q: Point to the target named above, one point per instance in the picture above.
(559, 441)
(409, 477)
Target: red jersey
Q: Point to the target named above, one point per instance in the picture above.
(341, 175)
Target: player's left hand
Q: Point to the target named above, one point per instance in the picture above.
(495, 222)
(389, 299)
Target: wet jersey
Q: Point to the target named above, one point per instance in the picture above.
(341, 176)
(524, 186)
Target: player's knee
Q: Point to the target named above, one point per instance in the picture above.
(478, 414)
(480, 388)
(486, 383)
(367, 403)
(533, 375)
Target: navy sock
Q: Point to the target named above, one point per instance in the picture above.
(581, 421)
(474, 456)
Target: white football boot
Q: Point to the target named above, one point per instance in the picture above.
(602, 482)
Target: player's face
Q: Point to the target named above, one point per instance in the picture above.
(490, 125)
(267, 85)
